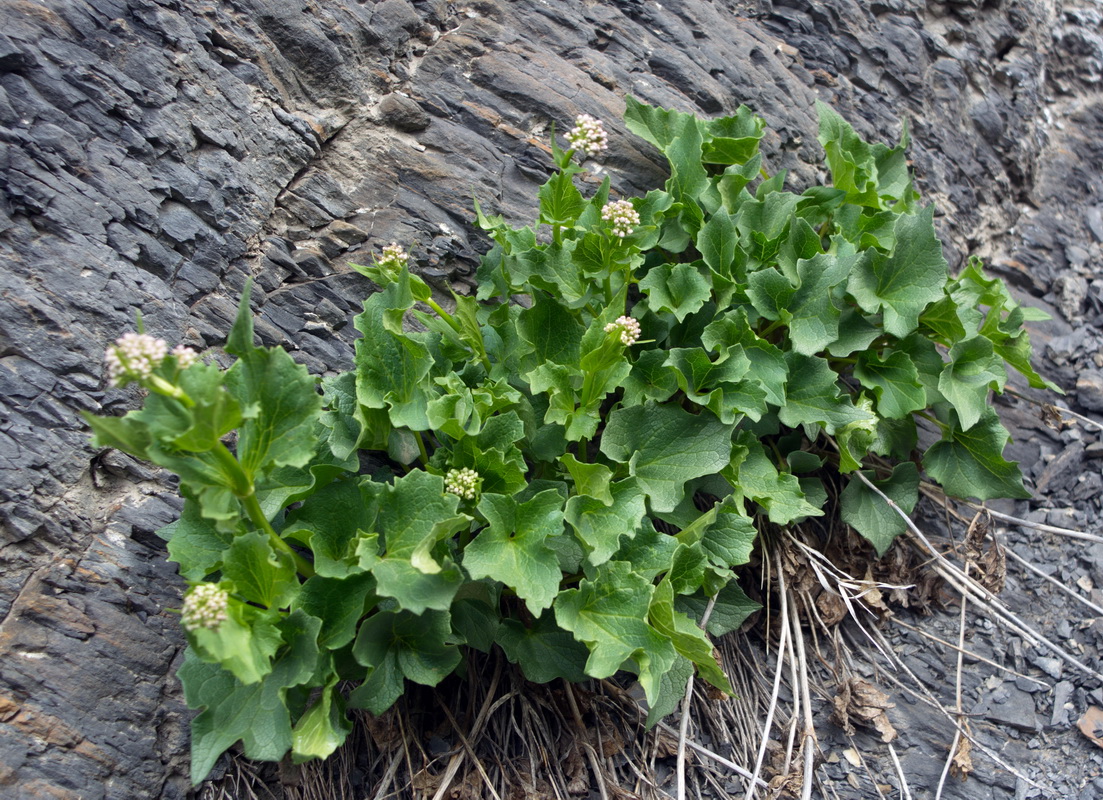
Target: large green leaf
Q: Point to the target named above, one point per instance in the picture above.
(865, 511)
(677, 288)
(903, 284)
(513, 548)
(279, 400)
(543, 650)
(664, 446)
(894, 381)
(609, 614)
(973, 371)
(258, 572)
(813, 396)
(689, 640)
(970, 463)
(256, 713)
(600, 526)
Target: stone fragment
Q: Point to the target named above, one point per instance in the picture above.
(1089, 389)
(402, 113)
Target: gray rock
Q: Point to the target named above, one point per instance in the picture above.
(1089, 389)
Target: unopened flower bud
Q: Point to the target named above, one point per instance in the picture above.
(622, 215)
(205, 607)
(133, 357)
(588, 135)
(627, 328)
(462, 482)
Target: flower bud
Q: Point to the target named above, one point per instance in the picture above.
(462, 482)
(627, 328)
(622, 215)
(205, 607)
(588, 135)
(133, 357)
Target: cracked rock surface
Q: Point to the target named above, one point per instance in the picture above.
(155, 154)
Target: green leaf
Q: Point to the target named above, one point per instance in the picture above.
(256, 713)
(970, 463)
(330, 520)
(339, 603)
(544, 651)
(813, 316)
(278, 398)
(650, 552)
(689, 640)
(768, 368)
(215, 412)
(813, 396)
(731, 610)
(717, 242)
(554, 269)
(323, 728)
(712, 384)
(672, 691)
(866, 512)
(195, 543)
(475, 614)
(608, 613)
(600, 526)
(756, 477)
(856, 332)
(243, 643)
(677, 288)
(974, 369)
(259, 573)
(665, 446)
(560, 201)
(552, 331)
(650, 379)
(733, 139)
(904, 283)
(894, 381)
(513, 548)
(679, 136)
(415, 514)
(590, 480)
(392, 366)
(397, 644)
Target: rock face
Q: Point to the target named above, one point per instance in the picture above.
(153, 155)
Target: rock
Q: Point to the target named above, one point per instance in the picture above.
(402, 113)
(1089, 389)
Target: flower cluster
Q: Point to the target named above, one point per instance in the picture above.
(628, 328)
(205, 607)
(623, 216)
(133, 357)
(463, 482)
(185, 356)
(394, 257)
(588, 135)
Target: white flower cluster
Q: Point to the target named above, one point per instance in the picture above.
(629, 330)
(588, 135)
(394, 257)
(185, 356)
(463, 482)
(623, 216)
(204, 607)
(133, 357)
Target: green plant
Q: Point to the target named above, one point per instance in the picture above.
(569, 465)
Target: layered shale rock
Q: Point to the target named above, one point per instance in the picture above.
(153, 155)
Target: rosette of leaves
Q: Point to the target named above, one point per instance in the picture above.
(611, 476)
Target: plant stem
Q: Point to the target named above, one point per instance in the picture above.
(162, 387)
(933, 419)
(421, 447)
(256, 514)
(773, 326)
(444, 315)
(242, 487)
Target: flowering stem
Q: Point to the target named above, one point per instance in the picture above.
(155, 383)
(242, 487)
(256, 514)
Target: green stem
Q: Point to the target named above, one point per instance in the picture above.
(444, 315)
(156, 383)
(421, 447)
(935, 420)
(242, 487)
(773, 326)
(256, 514)
(557, 235)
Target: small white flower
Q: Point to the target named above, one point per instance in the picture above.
(133, 357)
(588, 135)
(394, 257)
(204, 607)
(185, 356)
(463, 482)
(628, 328)
(622, 215)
